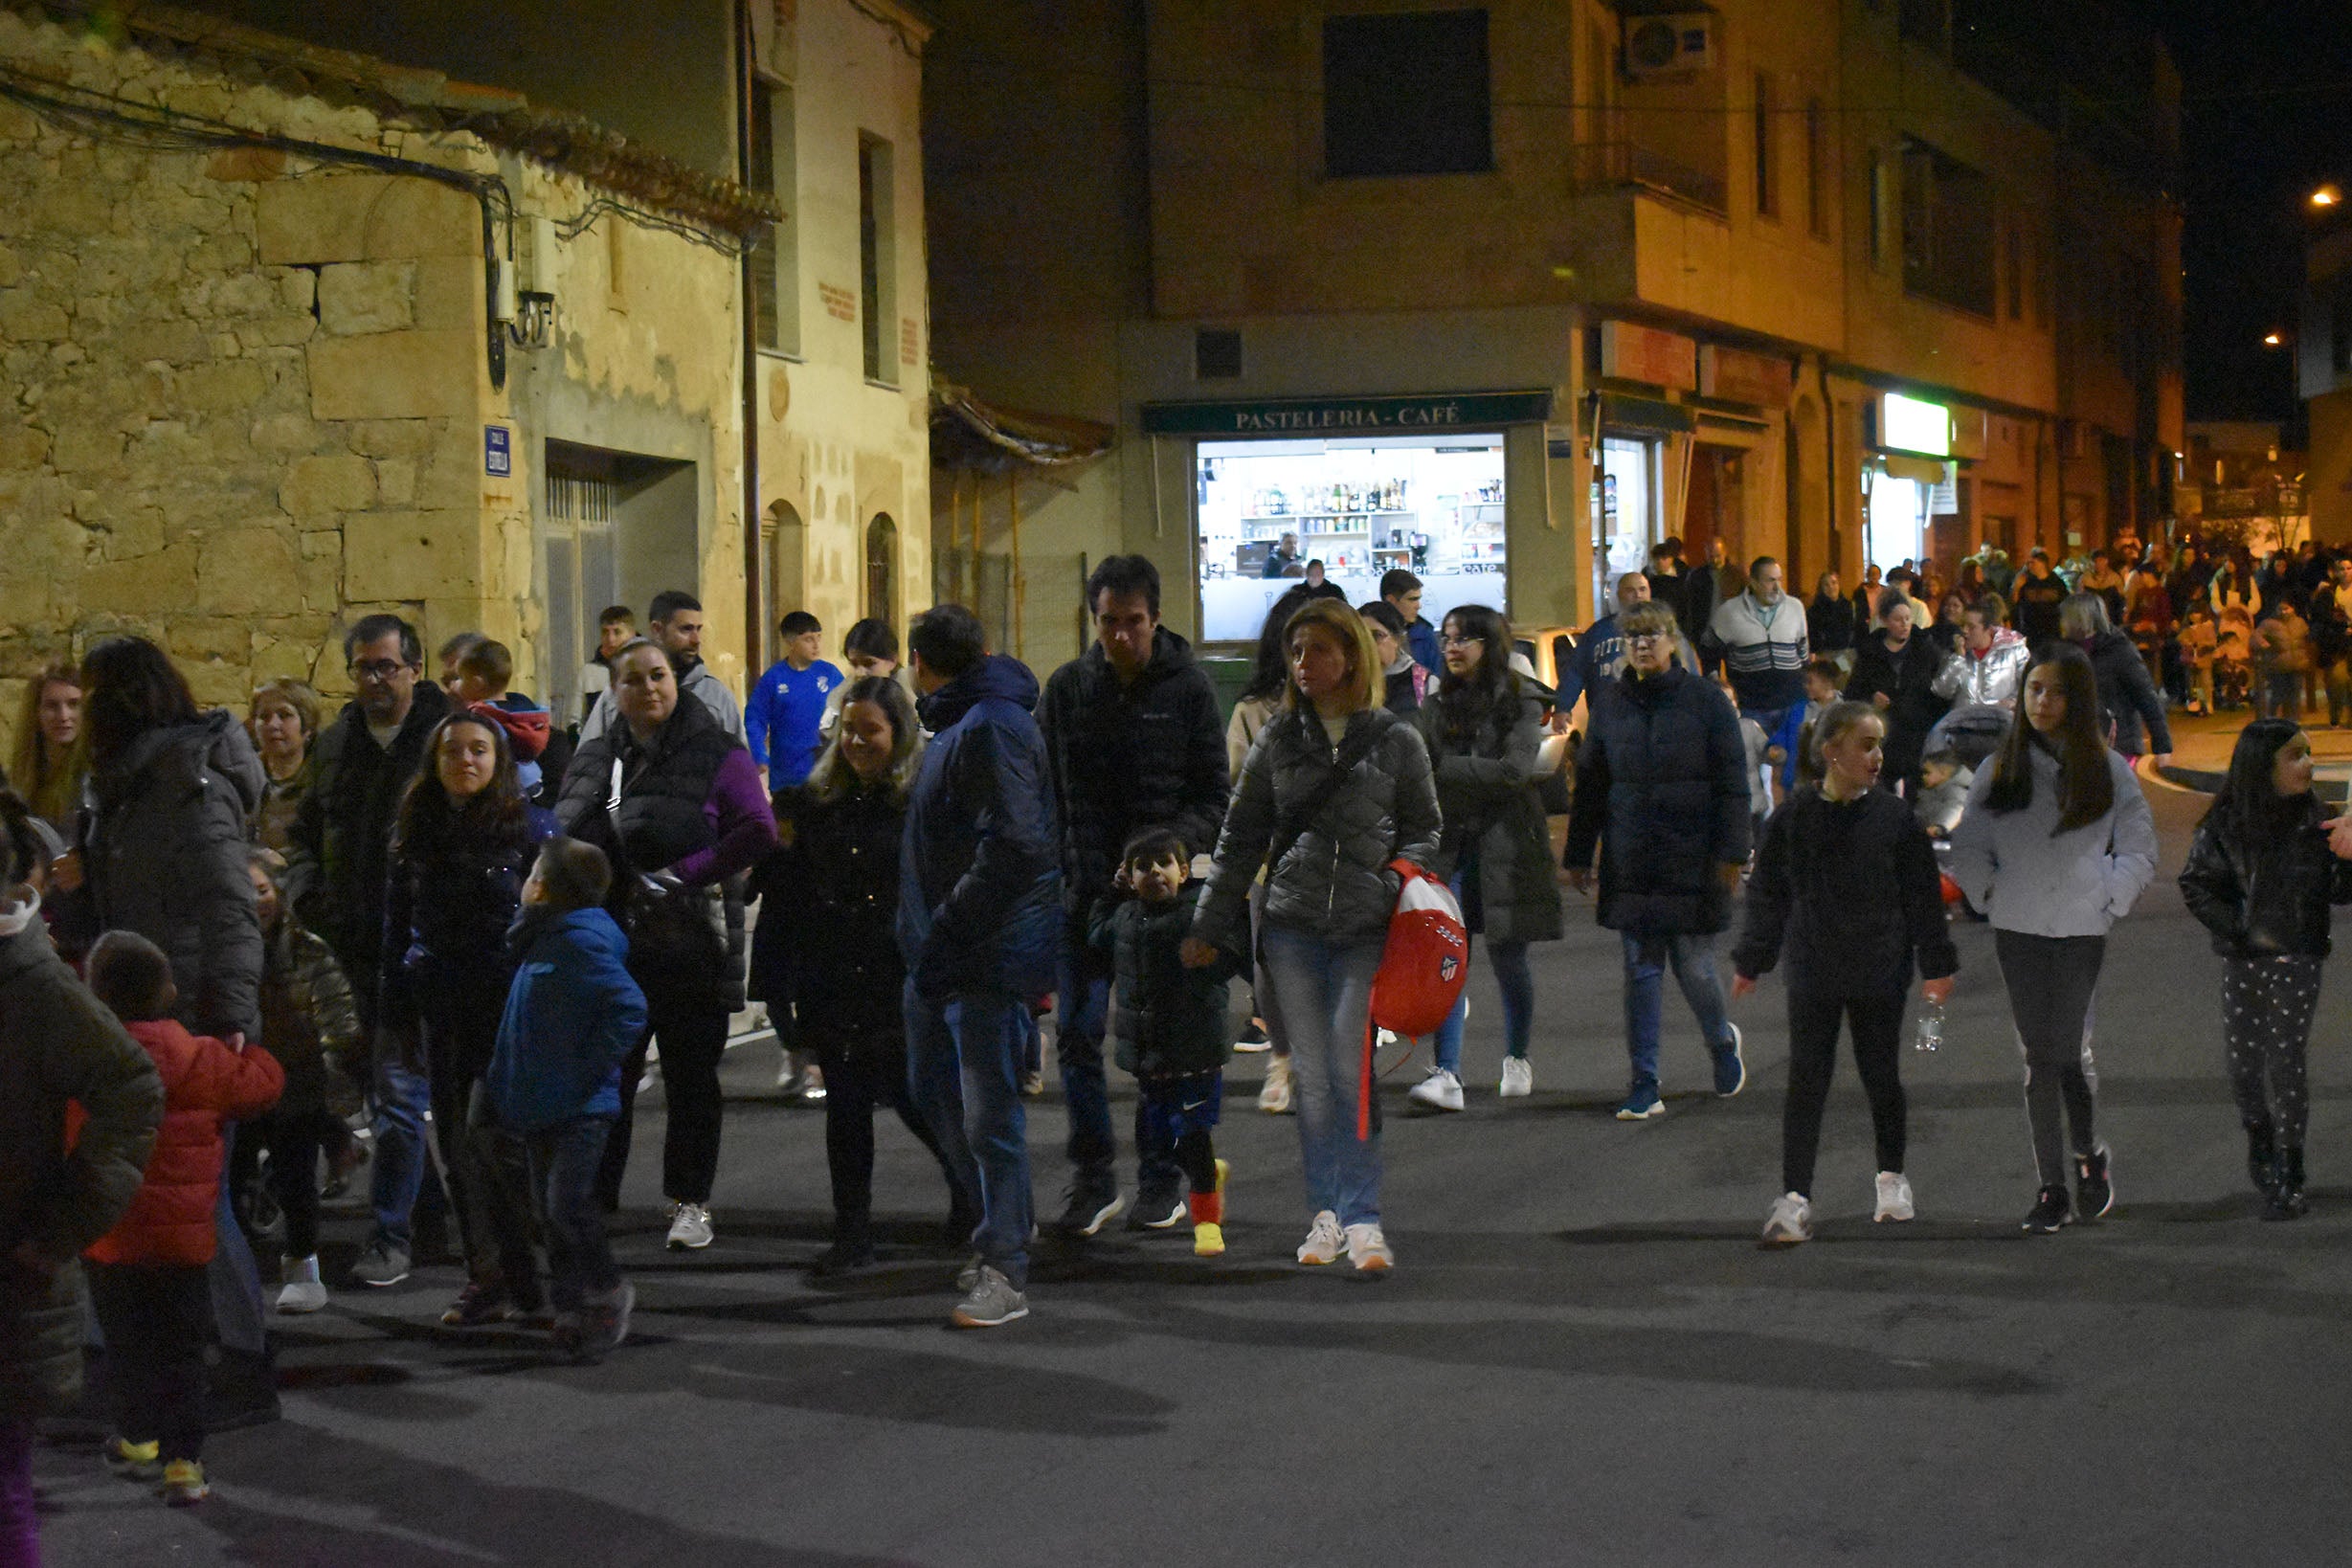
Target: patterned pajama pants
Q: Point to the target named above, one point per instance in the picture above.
(2267, 1008)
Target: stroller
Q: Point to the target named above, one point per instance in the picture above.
(2234, 662)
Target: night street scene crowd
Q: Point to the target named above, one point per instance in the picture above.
(436, 945)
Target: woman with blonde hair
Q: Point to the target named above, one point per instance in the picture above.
(51, 760)
(827, 948)
(1334, 788)
(283, 719)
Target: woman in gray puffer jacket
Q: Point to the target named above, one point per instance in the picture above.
(163, 843)
(57, 1044)
(1334, 790)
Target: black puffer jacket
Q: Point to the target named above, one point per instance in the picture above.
(2129, 697)
(1170, 1020)
(342, 834)
(1487, 794)
(1662, 793)
(1906, 676)
(58, 1044)
(1150, 753)
(690, 808)
(827, 942)
(447, 905)
(1852, 889)
(164, 854)
(1334, 882)
(2265, 892)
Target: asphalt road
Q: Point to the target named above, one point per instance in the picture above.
(1581, 1357)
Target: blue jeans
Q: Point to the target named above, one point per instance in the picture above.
(564, 1162)
(403, 1094)
(1509, 960)
(1693, 960)
(963, 1067)
(1323, 989)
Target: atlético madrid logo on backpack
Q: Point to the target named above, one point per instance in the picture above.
(1421, 967)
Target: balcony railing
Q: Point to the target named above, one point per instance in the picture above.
(1617, 165)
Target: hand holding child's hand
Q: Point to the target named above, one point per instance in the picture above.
(1195, 954)
(1938, 992)
(235, 1042)
(1742, 985)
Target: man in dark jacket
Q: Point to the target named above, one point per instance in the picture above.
(336, 876)
(1662, 793)
(1599, 652)
(979, 922)
(1133, 741)
(1702, 590)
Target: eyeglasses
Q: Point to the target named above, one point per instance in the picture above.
(1633, 638)
(1459, 641)
(377, 670)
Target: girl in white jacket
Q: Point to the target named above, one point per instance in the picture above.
(2055, 846)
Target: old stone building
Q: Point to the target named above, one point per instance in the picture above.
(266, 378)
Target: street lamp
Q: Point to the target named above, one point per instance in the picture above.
(2272, 340)
(2330, 194)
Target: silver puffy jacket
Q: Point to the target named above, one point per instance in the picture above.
(1999, 678)
(1334, 881)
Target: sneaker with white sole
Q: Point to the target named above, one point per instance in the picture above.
(1439, 1090)
(1893, 1197)
(1323, 1242)
(1731, 1068)
(1368, 1249)
(1253, 1039)
(1642, 1103)
(302, 1291)
(1791, 1220)
(1274, 1099)
(689, 1228)
(1518, 1078)
(381, 1264)
(992, 1302)
(604, 1318)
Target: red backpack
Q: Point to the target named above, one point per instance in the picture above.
(1423, 969)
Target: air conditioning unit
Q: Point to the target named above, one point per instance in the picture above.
(1677, 43)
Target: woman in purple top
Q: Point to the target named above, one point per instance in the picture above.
(677, 804)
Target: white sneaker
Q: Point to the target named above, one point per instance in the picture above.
(1440, 1090)
(1791, 1220)
(813, 1084)
(303, 1291)
(1367, 1250)
(1323, 1243)
(1275, 1098)
(689, 1227)
(1518, 1078)
(1894, 1197)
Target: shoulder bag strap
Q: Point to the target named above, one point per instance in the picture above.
(1293, 823)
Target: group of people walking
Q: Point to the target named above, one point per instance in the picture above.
(486, 928)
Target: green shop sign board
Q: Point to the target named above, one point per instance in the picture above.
(1348, 416)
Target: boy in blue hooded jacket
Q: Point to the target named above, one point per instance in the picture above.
(572, 1015)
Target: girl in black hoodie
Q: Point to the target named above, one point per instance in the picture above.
(1848, 879)
(2260, 877)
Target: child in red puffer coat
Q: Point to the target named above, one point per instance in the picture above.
(147, 1274)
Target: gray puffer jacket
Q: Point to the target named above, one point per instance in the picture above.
(1334, 882)
(58, 1044)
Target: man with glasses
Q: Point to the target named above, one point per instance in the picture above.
(336, 858)
(1599, 652)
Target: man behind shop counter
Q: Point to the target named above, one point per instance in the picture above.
(1401, 591)
(1283, 559)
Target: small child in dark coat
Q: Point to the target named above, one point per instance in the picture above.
(572, 1015)
(1171, 1021)
(147, 1274)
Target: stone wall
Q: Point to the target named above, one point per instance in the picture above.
(245, 391)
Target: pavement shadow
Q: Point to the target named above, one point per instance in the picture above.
(374, 1516)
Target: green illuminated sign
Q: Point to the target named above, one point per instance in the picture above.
(1910, 424)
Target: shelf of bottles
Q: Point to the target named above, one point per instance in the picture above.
(1345, 511)
(1478, 518)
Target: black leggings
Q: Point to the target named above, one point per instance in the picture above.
(1813, 1021)
(157, 1321)
(2267, 1008)
(859, 1080)
(692, 1034)
(2051, 981)
(294, 1143)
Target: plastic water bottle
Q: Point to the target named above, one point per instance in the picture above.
(1929, 1035)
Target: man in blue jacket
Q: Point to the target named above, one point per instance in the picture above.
(980, 918)
(1599, 654)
